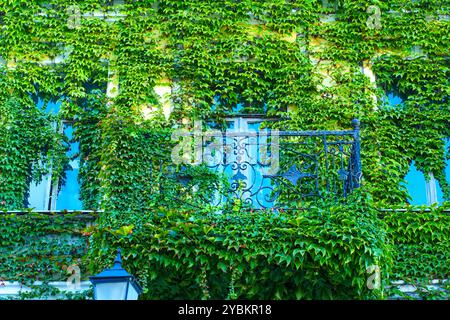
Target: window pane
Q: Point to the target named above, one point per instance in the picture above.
(253, 126)
(238, 108)
(74, 146)
(231, 125)
(416, 185)
(111, 291)
(261, 186)
(50, 107)
(39, 194)
(69, 195)
(244, 164)
(393, 99)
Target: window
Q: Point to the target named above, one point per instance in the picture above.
(417, 187)
(421, 191)
(61, 195)
(68, 195)
(243, 161)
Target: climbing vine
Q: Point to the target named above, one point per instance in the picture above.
(322, 253)
(43, 248)
(308, 64)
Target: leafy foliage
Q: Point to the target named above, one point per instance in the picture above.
(321, 253)
(27, 144)
(280, 58)
(422, 242)
(38, 247)
(277, 58)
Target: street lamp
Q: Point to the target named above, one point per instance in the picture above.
(115, 283)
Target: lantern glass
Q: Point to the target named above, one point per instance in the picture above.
(111, 290)
(133, 294)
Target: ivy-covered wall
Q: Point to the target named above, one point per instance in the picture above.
(296, 60)
(43, 248)
(311, 64)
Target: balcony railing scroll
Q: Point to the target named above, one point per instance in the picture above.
(282, 169)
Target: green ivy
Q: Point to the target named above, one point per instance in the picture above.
(273, 57)
(37, 247)
(422, 242)
(320, 253)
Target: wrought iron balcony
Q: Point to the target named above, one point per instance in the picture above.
(281, 169)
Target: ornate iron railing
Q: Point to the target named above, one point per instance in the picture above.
(283, 169)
